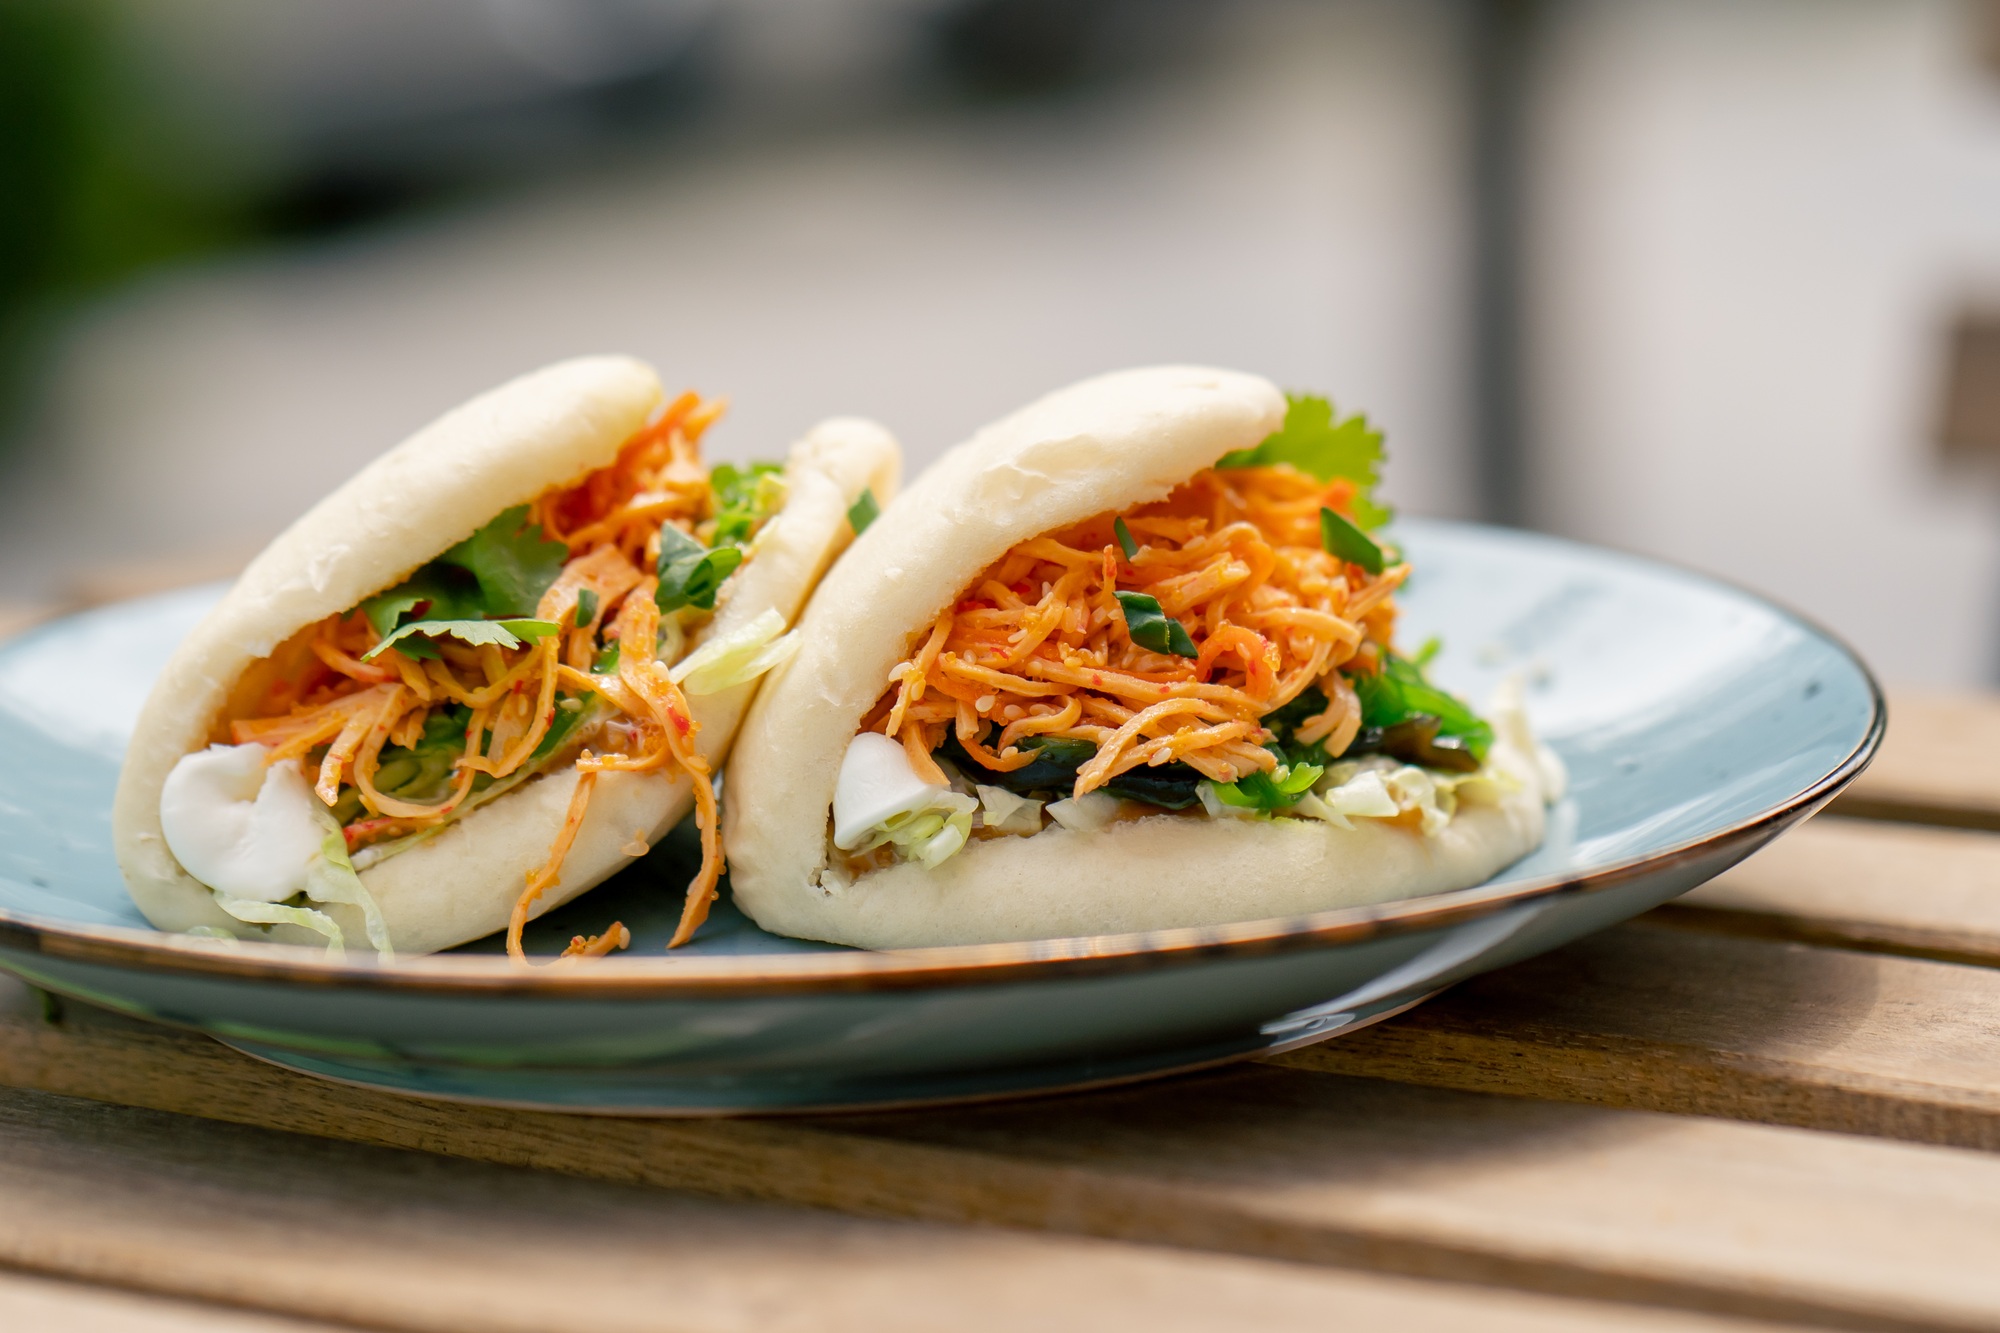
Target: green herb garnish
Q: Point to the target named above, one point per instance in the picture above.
(1343, 539)
(421, 770)
(1124, 536)
(1052, 773)
(744, 498)
(1398, 696)
(586, 607)
(1311, 441)
(691, 574)
(1153, 629)
(1276, 790)
(569, 712)
(500, 571)
(865, 510)
(446, 592)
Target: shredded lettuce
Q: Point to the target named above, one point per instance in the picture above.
(1003, 810)
(331, 878)
(278, 914)
(1362, 793)
(1086, 813)
(1313, 442)
(931, 835)
(741, 655)
(1377, 787)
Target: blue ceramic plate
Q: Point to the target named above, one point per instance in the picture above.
(1697, 722)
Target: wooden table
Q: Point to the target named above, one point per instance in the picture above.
(1776, 1101)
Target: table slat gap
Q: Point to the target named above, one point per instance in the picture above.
(1830, 933)
(1650, 1017)
(1887, 888)
(1937, 763)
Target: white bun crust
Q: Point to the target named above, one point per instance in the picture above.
(502, 449)
(1101, 446)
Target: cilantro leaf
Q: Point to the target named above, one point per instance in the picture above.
(501, 570)
(1350, 543)
(437, 592)
(410, 639)
(1153, 629)
(865, 510)
(511, 561)
(691, 574)
(1124, 536)
(1313, 442)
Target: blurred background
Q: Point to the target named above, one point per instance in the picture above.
(1715, 280)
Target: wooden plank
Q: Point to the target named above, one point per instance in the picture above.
(1695, 1213)
(1859, 884)
(397, 1240)
(1655, 1018)
(1939, 764)
(1719, 1215)
(28, 1302)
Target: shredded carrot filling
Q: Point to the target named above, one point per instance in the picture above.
(340, 713)
(1038, 645)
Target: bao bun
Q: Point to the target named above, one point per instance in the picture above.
(504, 448)
(1101, 446)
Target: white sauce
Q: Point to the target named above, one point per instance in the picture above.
(876, 784)
(242, 826)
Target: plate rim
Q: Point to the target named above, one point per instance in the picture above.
(687, 977)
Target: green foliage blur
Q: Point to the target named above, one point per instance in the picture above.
(101, 173)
